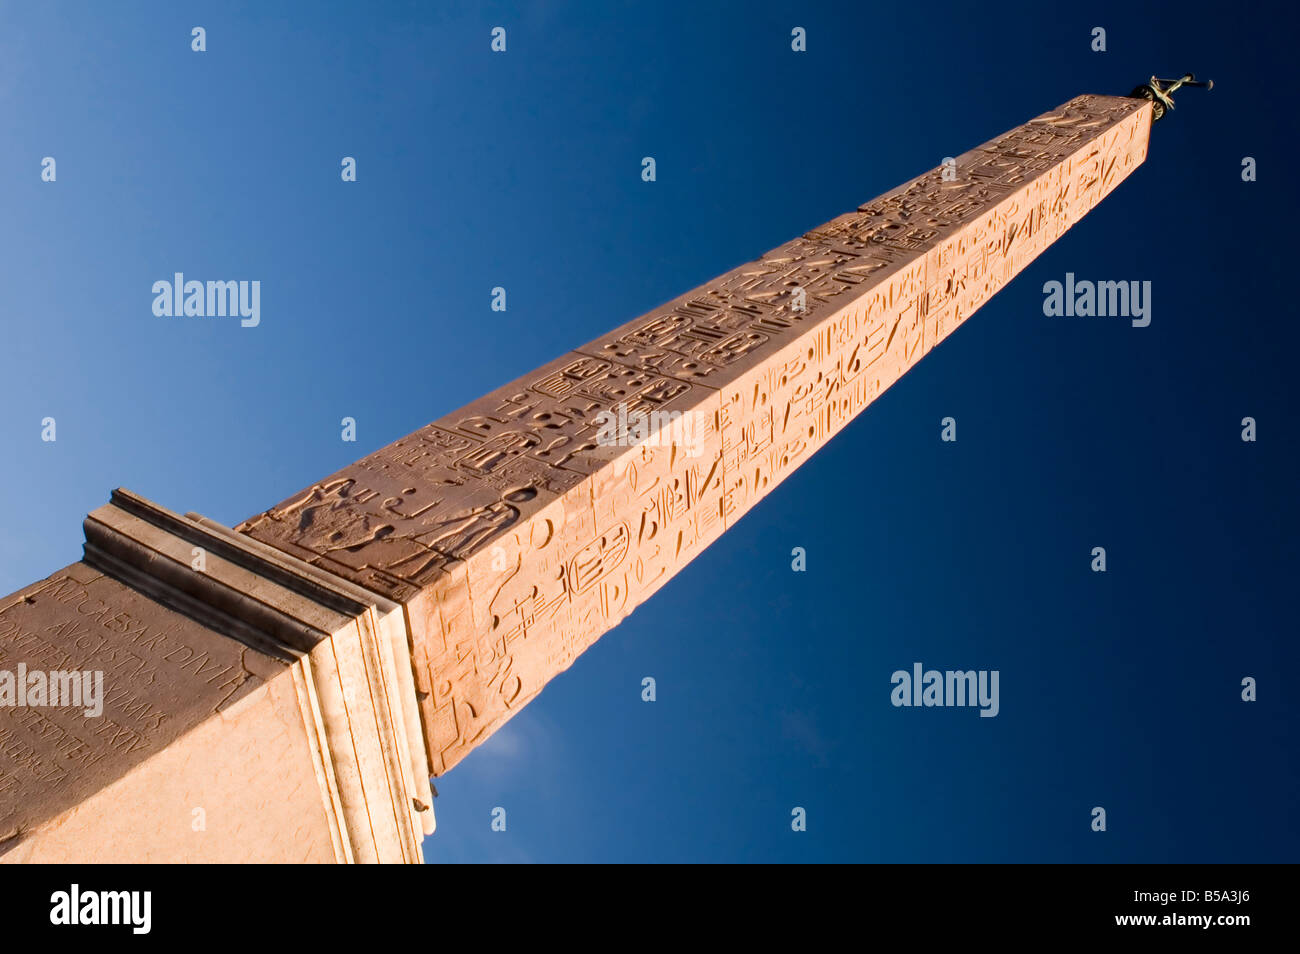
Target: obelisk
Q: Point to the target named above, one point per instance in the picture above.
(283, 693)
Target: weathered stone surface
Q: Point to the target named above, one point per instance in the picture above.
(255, 708)
(163, 675)
(513, 537)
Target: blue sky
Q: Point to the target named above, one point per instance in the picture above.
(522, 170)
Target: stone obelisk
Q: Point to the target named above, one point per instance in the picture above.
(284, 692)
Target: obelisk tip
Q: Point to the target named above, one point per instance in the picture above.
(1160, 92)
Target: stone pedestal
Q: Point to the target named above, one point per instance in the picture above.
(254, 708)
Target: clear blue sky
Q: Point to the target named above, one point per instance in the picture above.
(522, 170)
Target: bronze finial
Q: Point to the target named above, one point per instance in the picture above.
(1160, 92)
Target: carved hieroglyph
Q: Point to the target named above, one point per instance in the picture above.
(513, 537)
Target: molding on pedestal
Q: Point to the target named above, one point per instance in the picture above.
(347, 650)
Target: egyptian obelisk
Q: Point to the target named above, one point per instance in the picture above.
(283, 691)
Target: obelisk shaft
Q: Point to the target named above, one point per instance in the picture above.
(514, 534)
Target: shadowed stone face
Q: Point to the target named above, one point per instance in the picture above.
(514, 533)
